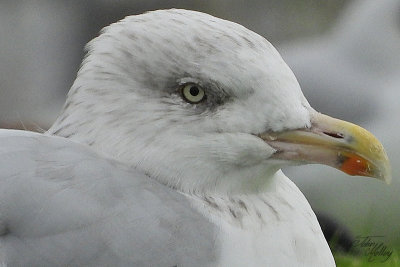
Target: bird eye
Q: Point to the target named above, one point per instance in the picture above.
(193, 93)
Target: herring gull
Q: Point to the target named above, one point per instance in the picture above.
(168, 153)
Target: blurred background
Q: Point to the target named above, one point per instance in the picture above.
(345, 54)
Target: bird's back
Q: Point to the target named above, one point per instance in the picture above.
(63, 204)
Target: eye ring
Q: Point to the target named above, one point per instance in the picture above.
(193, 93)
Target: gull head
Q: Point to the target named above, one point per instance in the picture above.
(203, 104)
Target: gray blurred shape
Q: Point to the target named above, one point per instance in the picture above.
(37, 59)
(342, 72)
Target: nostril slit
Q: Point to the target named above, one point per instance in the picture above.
(335, 135)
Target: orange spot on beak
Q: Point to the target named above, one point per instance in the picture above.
(356, 165)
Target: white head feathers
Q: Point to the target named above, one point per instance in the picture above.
(126, 100)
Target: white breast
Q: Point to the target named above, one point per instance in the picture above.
(276, 228)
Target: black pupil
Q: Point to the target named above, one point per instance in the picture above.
(194, 91)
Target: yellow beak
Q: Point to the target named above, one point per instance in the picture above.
(339, 144)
